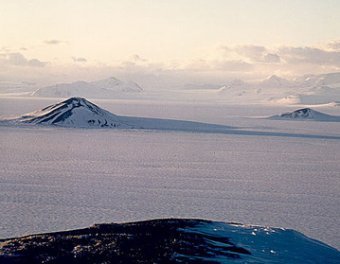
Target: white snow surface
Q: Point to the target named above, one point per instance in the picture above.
(263, 172)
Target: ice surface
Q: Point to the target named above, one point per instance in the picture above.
(57, 178)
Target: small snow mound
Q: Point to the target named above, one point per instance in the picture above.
(307, 114)
(301, 113)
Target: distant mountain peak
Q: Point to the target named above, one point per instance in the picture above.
(77, 101)
(275, 80)
(72, 102)
(237, 82)
(274, 77)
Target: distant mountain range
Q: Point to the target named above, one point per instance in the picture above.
(310, 89)
(305, 90)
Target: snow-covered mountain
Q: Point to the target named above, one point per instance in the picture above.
(106, 89)
(73, 112)
(78, 112)
(305, 90)
(312, 89)
(321, 79)
(275, 81)
(307, 114)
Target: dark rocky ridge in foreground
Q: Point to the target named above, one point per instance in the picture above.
(168, 241)
(156, 241)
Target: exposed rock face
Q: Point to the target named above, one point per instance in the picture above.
(168, 241)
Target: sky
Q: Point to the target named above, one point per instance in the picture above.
(207, 41)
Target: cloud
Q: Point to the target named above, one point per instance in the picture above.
(253, 52)
(79, 59)
(137, 58)
(227, 65)
(216, 64)
(5, 49)
(35, 63)
(198, 65)
(258, 55)
(53, 42)
(232, 66)
(17, 59)
(310, 55)
(135, 61)
(334, 45)
(140, 64)
(272, 58)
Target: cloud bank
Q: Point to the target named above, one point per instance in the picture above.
(17, 59)
(219, 64)
(53, 42)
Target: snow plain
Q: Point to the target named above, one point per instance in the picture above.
(57, 178)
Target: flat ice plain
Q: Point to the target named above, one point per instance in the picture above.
(58, 178)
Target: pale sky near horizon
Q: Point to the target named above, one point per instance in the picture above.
(192, 35)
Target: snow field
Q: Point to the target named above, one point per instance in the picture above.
(55, 179)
